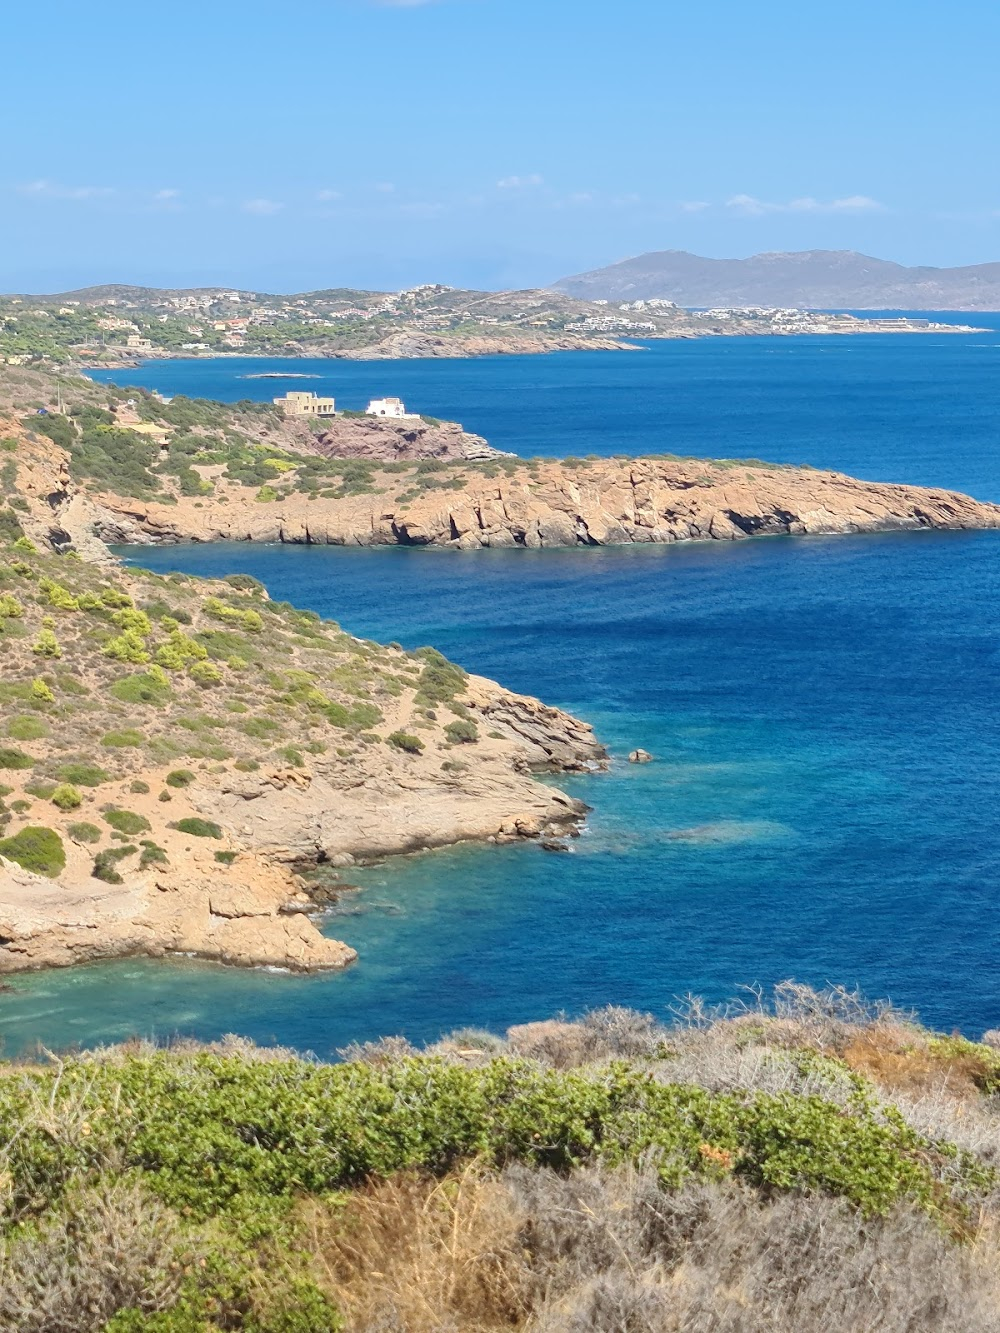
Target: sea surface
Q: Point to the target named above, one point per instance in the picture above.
(825, 799)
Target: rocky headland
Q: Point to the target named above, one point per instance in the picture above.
(604, 503)
(177, 754)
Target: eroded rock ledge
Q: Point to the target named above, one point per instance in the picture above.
(606, 502)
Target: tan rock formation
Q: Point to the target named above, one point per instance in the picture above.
(213, 912)
(604, 503)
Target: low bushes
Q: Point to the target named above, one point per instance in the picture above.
(83, 774)
(39, 850)
(461, 732)
(126, 739)
(10, 757)
(198, 828)
(84, 832)
(66, 797)
(403, 740)
(212, 1132)
(127, 822)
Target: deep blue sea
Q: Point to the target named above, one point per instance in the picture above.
(825, 801)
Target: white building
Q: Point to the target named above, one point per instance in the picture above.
(387, 407)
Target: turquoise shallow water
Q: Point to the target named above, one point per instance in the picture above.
(823, 711)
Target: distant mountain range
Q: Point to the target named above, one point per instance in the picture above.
(806, 279)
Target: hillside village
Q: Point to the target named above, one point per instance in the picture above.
(113, 325)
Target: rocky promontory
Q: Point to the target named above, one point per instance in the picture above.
(176, 754)
(603, 503)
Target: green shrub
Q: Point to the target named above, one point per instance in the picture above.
(37, 849)
(84, 832)
(138, 787)
(461, 732)
(106, 863)
(244, 583)
(40, 787)
(10, 757)
(404, 741)
(130, 646)
(180, 777)
(152, 855)
(66, 797)
(198, 828)
(232, 615)
(211, 1133)
(54, 594)
(26, 728)
(205, 674)
(41, 691)
(225, 858)
(440, 680)
(83, 775)
(127, 822)
(46, 645)
(123, 740)
(146, 687)
(260, 727)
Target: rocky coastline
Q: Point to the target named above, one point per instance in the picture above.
(605, 503)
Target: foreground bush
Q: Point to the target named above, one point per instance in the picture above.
(39, 850)
(822, 1166)
(211, 1130)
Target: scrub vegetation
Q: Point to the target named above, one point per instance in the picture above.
(813, 1164)
(149, 685)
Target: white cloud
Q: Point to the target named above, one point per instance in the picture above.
(385, 188)
(694, 206)
(749, 206)
(262, 207)
(45, 189)
(520, 182)
(328, 196)
(162, 196)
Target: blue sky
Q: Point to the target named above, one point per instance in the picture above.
(487, 142)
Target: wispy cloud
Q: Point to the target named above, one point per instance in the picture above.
(162, 196)
(46, 189)
(694, 206)
(384, 187)
(262, 207)
(750, 206)
(520, 182)
(328, 196)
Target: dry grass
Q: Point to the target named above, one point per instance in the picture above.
(108, 1249)
(425, 1255)
(611, 1252)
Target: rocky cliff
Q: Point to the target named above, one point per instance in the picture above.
(607, 502)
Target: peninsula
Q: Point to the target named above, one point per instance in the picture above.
(120, 325)
(123, 466)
